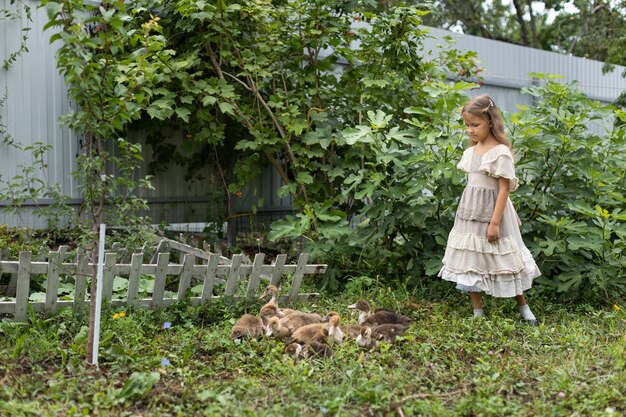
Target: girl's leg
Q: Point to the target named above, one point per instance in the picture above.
(477, 303)
(525, 310)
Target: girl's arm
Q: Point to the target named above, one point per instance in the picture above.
(493, 230)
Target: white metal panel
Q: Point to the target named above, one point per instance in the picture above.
(508, 66)
(36, 99)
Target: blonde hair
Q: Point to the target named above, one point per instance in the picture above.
(483, 106)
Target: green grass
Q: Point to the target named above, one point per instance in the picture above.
(573, 364)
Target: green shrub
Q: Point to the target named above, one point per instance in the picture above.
(571, 198)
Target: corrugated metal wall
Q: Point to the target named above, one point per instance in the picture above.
(36, 99)
(507, 69)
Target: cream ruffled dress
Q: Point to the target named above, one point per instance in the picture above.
(504, 268)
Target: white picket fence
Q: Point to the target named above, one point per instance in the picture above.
(233, 278)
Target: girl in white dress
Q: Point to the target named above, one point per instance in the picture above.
(485, 251)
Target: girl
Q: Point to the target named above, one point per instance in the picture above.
(485, 251)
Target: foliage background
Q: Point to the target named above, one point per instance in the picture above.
(360, 122)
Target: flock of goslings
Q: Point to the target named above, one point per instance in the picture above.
(308, 335)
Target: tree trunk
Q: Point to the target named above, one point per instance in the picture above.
(533, 26)
(519, 14)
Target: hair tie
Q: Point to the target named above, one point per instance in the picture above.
(490, 103)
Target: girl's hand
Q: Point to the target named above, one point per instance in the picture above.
(493, 232)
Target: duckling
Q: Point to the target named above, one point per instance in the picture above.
(352, 330)
(270, 310)
(276, 329)
(311, 350)
(319, 332)
(296, 320)
(335, 331)
(379, 316)
(315, 332)
(272, 291)
(247, 327)
(388, 332)
(293, 349)
(364, 339)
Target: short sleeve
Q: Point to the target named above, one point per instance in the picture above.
(465, 164)
(498, 163)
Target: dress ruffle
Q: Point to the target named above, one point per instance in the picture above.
(498, 285)
(497, 162)
(480, 244)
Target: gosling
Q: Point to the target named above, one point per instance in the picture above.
(379, 316)
(247, 327)
(311, 350)
(272, 292)
(276, 329)
(318, 332)
(252, 327)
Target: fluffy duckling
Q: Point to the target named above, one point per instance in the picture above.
(364, 339)
(379, 316)
(371, 336)
(276, 329)
(247, 327)
(315, 332)
(351, 331)
(296, 320)
(311, 350)
(272, 292)
(335, 331)
(270, 310)
(388, 332)
(319, 332)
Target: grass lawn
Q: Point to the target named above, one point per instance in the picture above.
(447, 364)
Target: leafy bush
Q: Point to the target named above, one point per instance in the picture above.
(571, 197)
(396, 205)
(15, 240)
(570, 200)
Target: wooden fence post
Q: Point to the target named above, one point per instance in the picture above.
(23, 287)
(297, 276)
(209, 278)
(80, 282)
(279, 266)
(255, 275)
(233, 276)
(159, 280)
(108, 276)
(52, 289)
(134, 277)
(185, 276)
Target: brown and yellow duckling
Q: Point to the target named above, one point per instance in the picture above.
(251, 327)
(367, 317)
(319, 332)
(371, 336)
(310, 350)
(272, 292)
(296, 320)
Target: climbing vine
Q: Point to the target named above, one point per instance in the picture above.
(18, 10)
